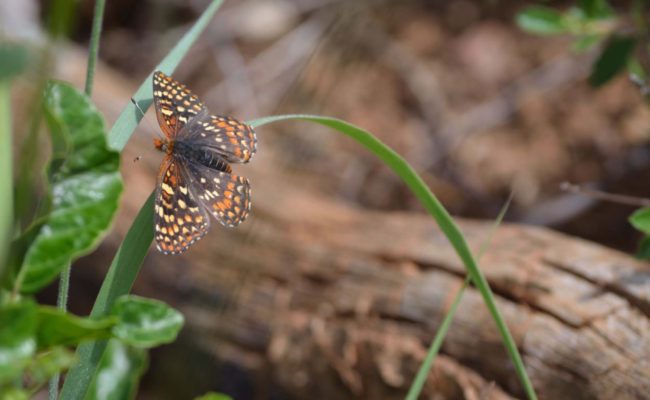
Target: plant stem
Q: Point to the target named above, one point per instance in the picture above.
(64, 279)
(93, 50)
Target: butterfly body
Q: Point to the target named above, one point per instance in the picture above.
(195, 178)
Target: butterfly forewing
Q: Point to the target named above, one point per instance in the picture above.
(175, 105)
(224, 195)
(228, 137)
(179, 219)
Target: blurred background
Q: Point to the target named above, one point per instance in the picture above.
(479, 108)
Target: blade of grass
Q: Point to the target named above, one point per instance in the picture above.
(436, 344)
(439, 213)
(127, 262)
(118, 281)
(6, 173)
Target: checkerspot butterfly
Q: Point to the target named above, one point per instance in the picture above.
(195, 177)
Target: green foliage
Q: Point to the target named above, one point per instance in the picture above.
(85, 186)
(591, 22)
(640, 219)
(612, 60)
(145, 322)
(542, 21)
(34, 346)
(118, 372)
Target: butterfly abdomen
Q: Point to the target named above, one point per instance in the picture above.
(202, 156)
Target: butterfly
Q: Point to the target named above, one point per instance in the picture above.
(195, 179)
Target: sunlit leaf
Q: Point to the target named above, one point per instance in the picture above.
(541, 20)
(118, 372)
(14, 394)
(18, 323)
(145, 322)
(640, 219)
(586, 42)
(85, 187)
(612, 60)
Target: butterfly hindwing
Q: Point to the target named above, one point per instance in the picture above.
(175, 104)
(179, 219)
(228, 137)
(226, 196)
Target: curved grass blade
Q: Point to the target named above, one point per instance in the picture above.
(437, 211)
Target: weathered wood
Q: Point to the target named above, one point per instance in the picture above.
(336, 302)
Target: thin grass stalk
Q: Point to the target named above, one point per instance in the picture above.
(6, 173)
(436, 344)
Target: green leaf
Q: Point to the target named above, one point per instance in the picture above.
(57, 327)
(541, 20)
(118, 373)
(86, 186)
(640, 219)
(612, 60)
(14, 60)
(49, 363)
(145, 322)
(18, 323)
(214, 396)
(596, 9)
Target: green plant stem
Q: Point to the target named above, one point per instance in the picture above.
(439, 213)
(93, 50)
(6, 173)
(64, 279)
(62, 304)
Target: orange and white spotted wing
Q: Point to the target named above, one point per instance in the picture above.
(179, 219)
(175, 104)
(228, 137)
(224, 195)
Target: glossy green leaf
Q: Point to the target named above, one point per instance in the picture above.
(214, 396)
(640, 219)
(57, 327)
(118, 372)
(612, 60)
(18, 322)
(145, 322)
(85, 187)
(49, 363)
(541, 20)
